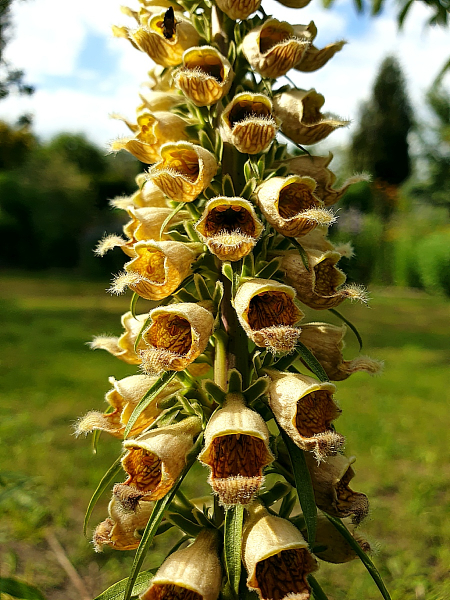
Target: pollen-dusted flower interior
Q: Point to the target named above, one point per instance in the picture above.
(327, 278)
(247, 109)
(295, 198)
(183, 161)
(315, 411)
(271, 308)
(210, 64)
(169, 591)
(143, 468)
(150, 264)
(284, 574)
(228, 219)
(271, 36)
(170, 332)
(237, 454)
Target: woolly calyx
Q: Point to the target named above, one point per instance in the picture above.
(268, 314)
(276, 557)
(236, 450)
(177, 335)
(123, 347)
(248, 123)
(184, 171)
(229, 227)
(305, 409)
(192, 573)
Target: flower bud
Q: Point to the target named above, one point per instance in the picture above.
(157, 270)
(326, 342)
(192, 573)
(165, 51)
(236, 450)
(333, 495)
(248, 123)
(305, 408)
(184, 171)
(318, 287)
(317, 168)
(302, 121)
(273, 48)
(154, 462)
(290, 205)
(123, 347)
(268, 314)
(276, 557)
(205, 77)
(121, 529)
(229, 227)
(178, 334)
(123, 398)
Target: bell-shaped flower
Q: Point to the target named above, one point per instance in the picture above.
(123, 347)
(121, 530)
(273, 48)
(333, 495)
(152, 131)
(248, 123)
(236, 450)
(326, 342)
(159, 101)
(290, 205)
(154, 462)
(320, 287)
(148, 195)
(192, 573)
(157, 270)
(305, 409)
(229, 227)
(302, 121)
(316, 239)
(313, 59)
(317, 168)
(184, 171)
(165, 47)
(268, 314)
(123, 399)
(276, 557)
(177, 335)
(238, 9)
(205, 77)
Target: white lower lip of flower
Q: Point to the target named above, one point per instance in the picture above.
(231, 245)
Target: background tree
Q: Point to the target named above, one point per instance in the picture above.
(11, 79)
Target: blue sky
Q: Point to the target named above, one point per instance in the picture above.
(82, 74)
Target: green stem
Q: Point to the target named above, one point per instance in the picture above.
(220, 359)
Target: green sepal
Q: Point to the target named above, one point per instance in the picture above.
(167, 220)
(205, 141)
(248, 171)
(218, 147)
(218, 294)
(227, 271)
(184, 296)
(215, 391)
(269, 270)
(133, 303)
(228, 186)
(234, 382)
(288, 504)
(256, 390)
(277, 491)
(261, 166)
(201, 287)
(231, 56)
(249, 188)
(234, 518)
(248, 266)
(186, 525)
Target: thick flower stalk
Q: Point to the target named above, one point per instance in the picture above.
(226, 247)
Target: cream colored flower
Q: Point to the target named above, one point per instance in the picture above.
(238, 9)
(165, 51)
(273, 48)
(184, 170)
(192, 573)
(301, 119)
(276, 557)
(154, 462)
(156, 101)
(205, 77)
(317, 168)
(229, 227)
(148, 195)
(248, 123)
(121, 530)
(326, 342)
(123, 347)
(177, 335)
(314, 59)
(331, 481)
(160, 80)
(268, 314)
(152, 131)
(320, 287)
(305, 409)
(317, 240)
(236, 450)
(290, 205)
(123, 399)
(157, 270)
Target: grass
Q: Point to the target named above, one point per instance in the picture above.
(395, 424)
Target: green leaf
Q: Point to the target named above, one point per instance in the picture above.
(95, 438)
(142, 329)
(116, 591)
(156, 388)
(352, 327)
(261, 166)
(228, 186)
(231, 53)
(302, 252)
(248, 266)
(167, 220)
(303, 484)
(155, 520)
(318, 592)
(205, 141)
(19, 589)
(201, 287)
(218, 147)
(249, 188)
(105, 481)
(287, 505)
(134, 299)
(268, 271)
(234, 518)
(367, 562)
(311, 361)
(186, 525)
(227, 270)
(248, 171)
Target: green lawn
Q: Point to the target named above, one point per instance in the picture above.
(395, 424)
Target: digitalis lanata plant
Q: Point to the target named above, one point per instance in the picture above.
(225, 246)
